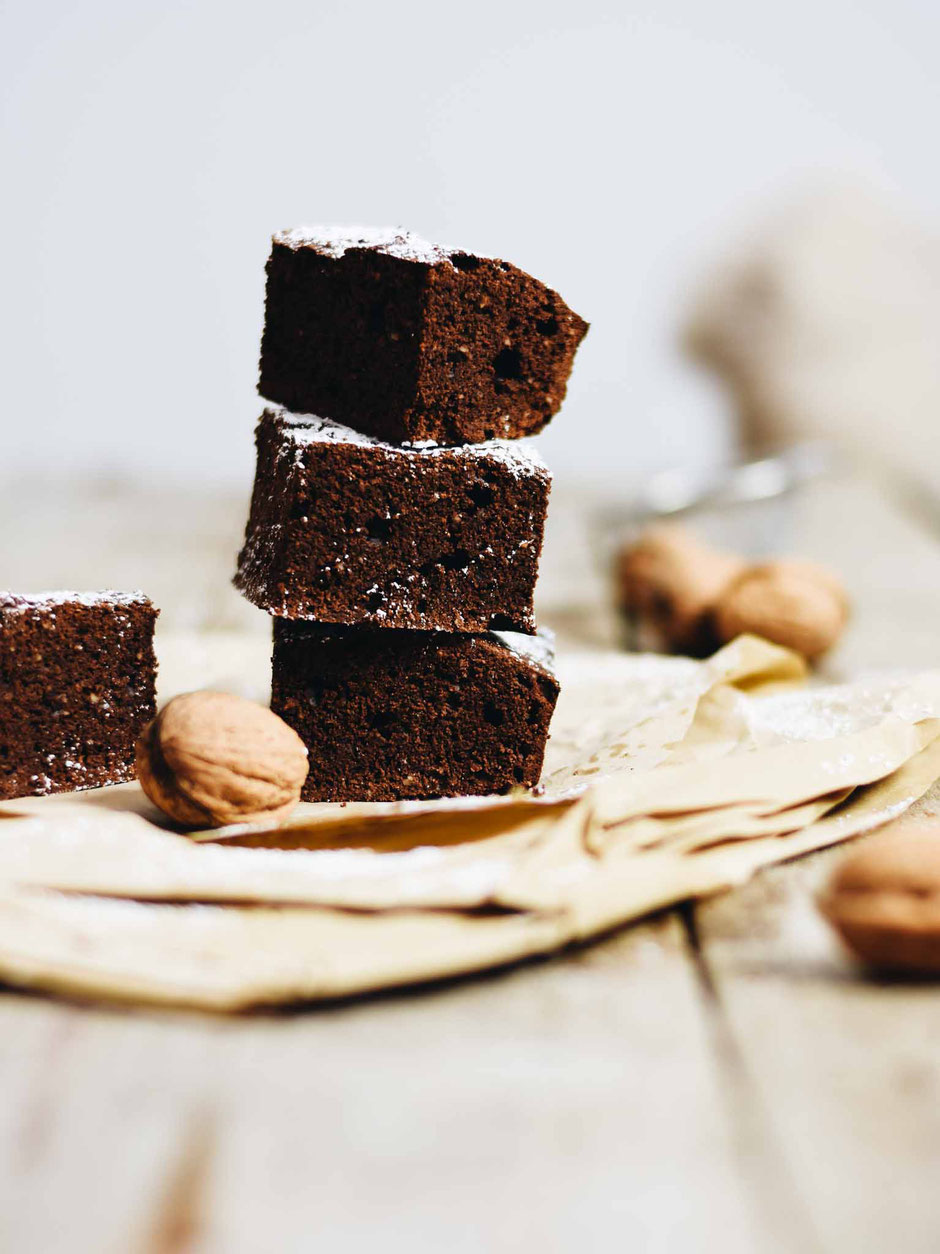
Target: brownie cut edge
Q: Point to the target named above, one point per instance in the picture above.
(392, 715)
(347, 529)
(405, 340)
(77, 686)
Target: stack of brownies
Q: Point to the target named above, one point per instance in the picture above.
(396, 521)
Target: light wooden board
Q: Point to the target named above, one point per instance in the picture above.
(95, 1108)
(565, 1104)
(531, 1110)
(553, 1106)
(751, 1097)
(843, 1072)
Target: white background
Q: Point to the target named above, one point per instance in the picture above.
(148, 150)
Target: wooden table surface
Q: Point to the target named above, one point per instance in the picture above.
(717, 1078)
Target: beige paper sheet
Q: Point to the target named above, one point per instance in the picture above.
(668, 779)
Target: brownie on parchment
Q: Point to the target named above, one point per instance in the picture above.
(77, 672)
(345, 529)
(405, 340)
(389, 715)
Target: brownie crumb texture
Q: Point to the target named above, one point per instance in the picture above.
(77, 675)
(346, 529)
(406, 340)
(390, 715)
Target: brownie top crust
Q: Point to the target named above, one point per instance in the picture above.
(393, 241)
(407, 340)
(520, 457)
(49, 600)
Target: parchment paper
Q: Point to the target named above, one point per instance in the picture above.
(667, 779)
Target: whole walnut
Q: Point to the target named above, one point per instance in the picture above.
(209, 759)
(884, 899)
(799, 605)
(667, 583)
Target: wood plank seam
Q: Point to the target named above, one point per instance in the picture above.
(779, 1211)
(179, 1222)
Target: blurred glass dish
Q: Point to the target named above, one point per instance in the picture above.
(742, 506)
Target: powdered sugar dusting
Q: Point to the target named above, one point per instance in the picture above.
(46, 600)
(336, 241)
(518, 456)
(539, 648)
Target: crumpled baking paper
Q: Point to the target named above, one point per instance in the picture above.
(667, 779)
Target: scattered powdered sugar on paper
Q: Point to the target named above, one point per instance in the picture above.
(518, 456)
(841, 709)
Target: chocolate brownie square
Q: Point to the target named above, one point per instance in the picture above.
(406, 340)
(388, 715)
(77, 673)
(344, 529)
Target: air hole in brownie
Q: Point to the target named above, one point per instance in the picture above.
(500, 622)
(382, 720)
(535, 712)
(493, 714)
(488, 434)
(378, 528)
(422, 606)
(375, 601)
(464, 261)
(518, 774)
(453, 700)
(504, 265)
(547, 326)
(508, 364)
(456, 356)
(481, 495)
(458, 560)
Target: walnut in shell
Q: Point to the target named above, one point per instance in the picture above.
(799, 605)
(884, 899)
(668, 582)
(209, 759)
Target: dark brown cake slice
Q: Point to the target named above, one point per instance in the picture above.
(389, 715)
(405, 340)
(77, 674)
(344, 529)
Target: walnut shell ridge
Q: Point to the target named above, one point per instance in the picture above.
(210, 758)
(799, 605)
(884, 899)
(668, 582)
